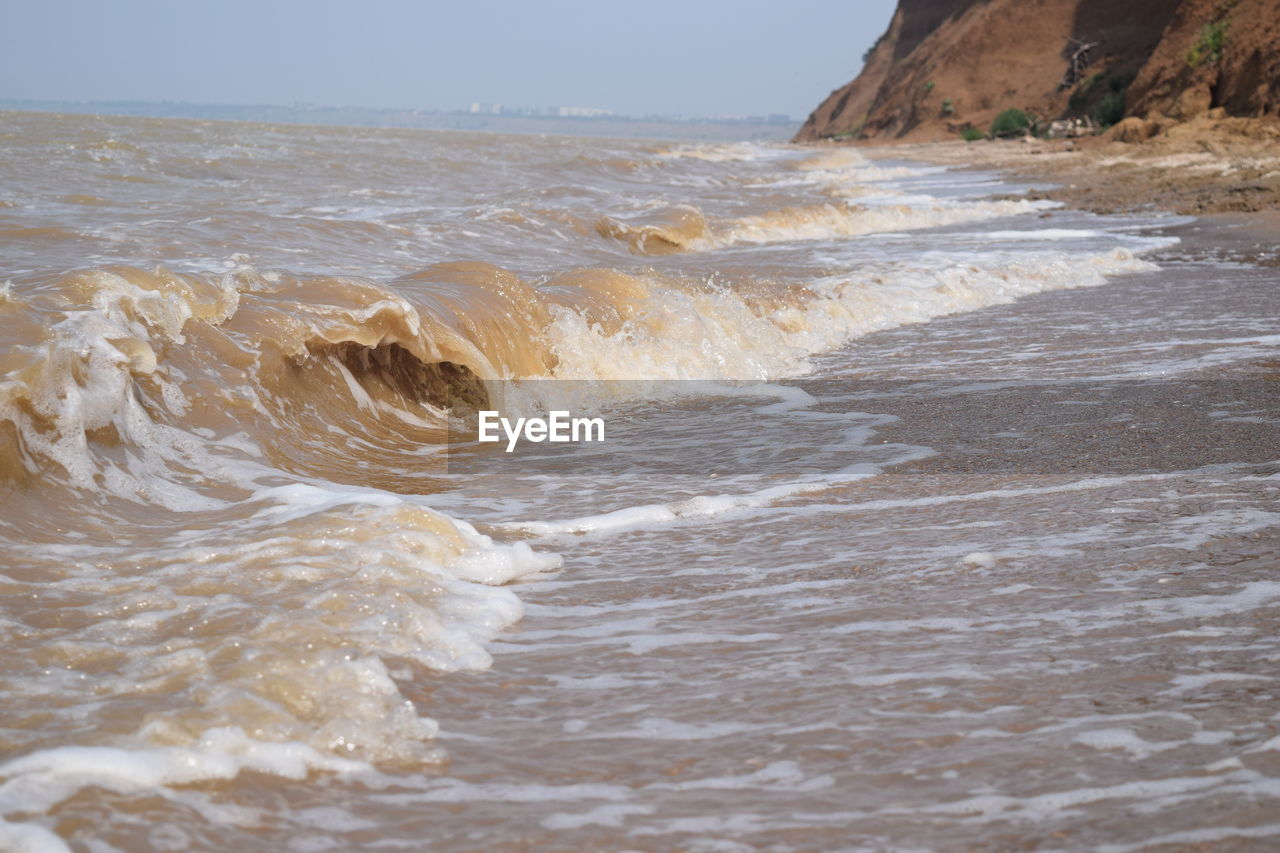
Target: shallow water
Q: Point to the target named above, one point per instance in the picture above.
(922, 520)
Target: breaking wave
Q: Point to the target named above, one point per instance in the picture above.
(687, 229)
(154, 359)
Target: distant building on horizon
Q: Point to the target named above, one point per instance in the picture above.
(582, 112)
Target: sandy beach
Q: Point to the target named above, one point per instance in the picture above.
(1211, 165)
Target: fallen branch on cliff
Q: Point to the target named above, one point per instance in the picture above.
(1079, 61)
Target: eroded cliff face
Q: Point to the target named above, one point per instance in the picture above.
(1213, 55)
(946, 65)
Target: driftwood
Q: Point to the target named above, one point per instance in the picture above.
(1079, 61)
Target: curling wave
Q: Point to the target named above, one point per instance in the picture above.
(687, 229)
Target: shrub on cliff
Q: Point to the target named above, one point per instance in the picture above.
(1213, 38)
(1080, 97)
(1109, 110)
(1011, 122)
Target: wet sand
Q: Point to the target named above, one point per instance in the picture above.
(1141, 423)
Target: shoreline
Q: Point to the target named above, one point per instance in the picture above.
(1224, 168)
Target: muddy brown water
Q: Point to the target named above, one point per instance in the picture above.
(923, 520)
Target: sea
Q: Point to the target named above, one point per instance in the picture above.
(923, 515)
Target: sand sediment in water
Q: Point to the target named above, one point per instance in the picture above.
(924, 519)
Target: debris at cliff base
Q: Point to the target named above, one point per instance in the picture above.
(1211, 164)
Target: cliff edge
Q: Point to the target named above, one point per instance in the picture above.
(947, 66)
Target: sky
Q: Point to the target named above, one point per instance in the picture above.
(697, 57)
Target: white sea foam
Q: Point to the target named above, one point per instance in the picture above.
(832, 222)
(1197, 837)
(1040, 234)
(718, 335)
(691, 510)
(735, 152)
(1122, 739)
(36, 782)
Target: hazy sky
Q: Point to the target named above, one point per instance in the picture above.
(639, 56)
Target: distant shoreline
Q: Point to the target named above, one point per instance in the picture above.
(751, 129)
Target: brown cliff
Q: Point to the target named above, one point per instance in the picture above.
(945, 65)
